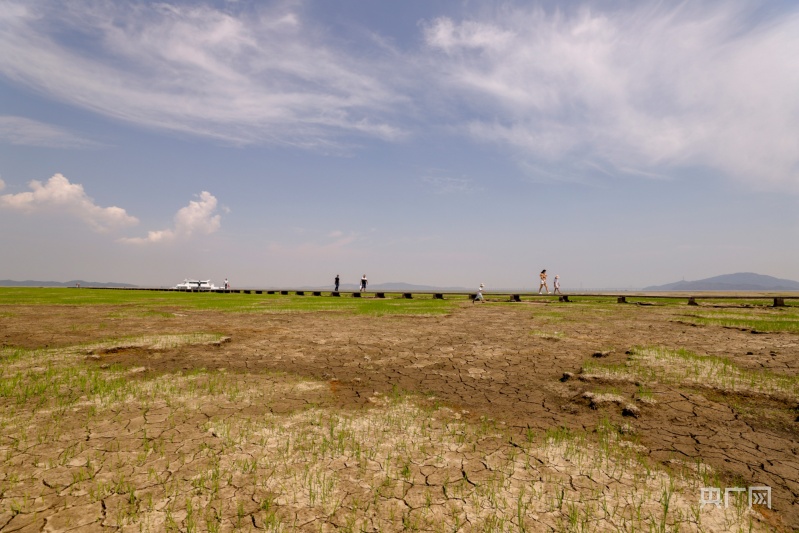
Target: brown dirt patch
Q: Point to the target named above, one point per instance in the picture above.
(500, 361)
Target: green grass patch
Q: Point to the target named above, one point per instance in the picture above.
(631, 299)
(765, 320)
(361, 306)
(552, 316)
(157, 304)
(682, 367)
(58, 378)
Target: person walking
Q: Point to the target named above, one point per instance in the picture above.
(479, 295)
(363, 283)
(336, 281)
(557, 285)
(543, 282)
(227, 285)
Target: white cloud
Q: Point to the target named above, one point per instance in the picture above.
(641, 89)
(446, 34)
(242, 74)
(197, 217)
(26, 132)
(658, 85)
(59, 195)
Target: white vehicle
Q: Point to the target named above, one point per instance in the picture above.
(196, 285)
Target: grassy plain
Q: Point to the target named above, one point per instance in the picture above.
(148, 411)
(152, 302)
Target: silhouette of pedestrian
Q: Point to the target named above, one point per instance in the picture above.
(336, 282)
(363, 283)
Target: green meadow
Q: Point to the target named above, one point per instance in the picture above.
(164, 301)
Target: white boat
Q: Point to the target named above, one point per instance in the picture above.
(196, 285)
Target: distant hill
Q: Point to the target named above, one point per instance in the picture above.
(31, 283)
(742, 281)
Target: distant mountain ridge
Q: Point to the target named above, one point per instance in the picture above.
(741, 281)
(74, 282)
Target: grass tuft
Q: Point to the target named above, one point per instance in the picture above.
(675, 367)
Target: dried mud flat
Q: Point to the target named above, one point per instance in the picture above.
(496, 417)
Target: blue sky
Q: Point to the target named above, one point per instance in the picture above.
(617, 144)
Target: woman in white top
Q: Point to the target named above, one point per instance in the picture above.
(543, 283)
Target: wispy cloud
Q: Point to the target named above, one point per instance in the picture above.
(243, 74)
(333, 244)
(26, 132)
(60, 196)
(197, 217)
(642, 89)
(449, 185)
(658, 85)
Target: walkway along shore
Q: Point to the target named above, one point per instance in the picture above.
(778, 300)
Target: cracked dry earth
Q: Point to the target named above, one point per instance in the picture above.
(482, 419)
